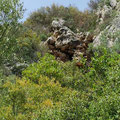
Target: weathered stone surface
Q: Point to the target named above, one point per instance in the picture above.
(113, 3)
(102, 13)
(112, 29)
(58, 23)
(65, 44)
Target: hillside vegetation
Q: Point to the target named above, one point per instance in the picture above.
(35, 84)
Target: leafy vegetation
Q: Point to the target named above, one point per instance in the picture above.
(93, 4)
(41, 19)
(49, 89)
(10, 13)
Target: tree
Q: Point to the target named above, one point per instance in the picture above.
(11, 11)
(40, 20)
(93, 4)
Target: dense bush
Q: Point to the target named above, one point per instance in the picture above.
(66, 93)
(49, 89)
(46, 66)
(28, 44)
(23, 99)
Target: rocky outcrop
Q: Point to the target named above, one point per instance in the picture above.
(113, 3)
(112, 31)
(66, 45)
(102, 13)
(16, 68)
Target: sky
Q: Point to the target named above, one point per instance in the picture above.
(32, 5)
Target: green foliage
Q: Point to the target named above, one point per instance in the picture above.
(110, 41)
(43, 37)
(104, 2)
(28, 44)
(10, 13)
(46, 66)
(41, 19)
(93, 4)
(116, 45)
(107, 20)
(53, 90)
(49, 89)
(45, 100)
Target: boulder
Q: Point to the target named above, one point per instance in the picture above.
(65, 44)
(113, 3)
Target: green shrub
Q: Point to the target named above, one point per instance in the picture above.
(86, 93)
(46, 66)
(45, 100)
(106, 107)
(43, 37)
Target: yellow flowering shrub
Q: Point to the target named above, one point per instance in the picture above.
(28, 100)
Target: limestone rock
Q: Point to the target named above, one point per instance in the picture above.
(102, 13)
(65, 44)
(113, 3)
(18, 68)
(58, 23)
(112, 29)
(97, 41)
